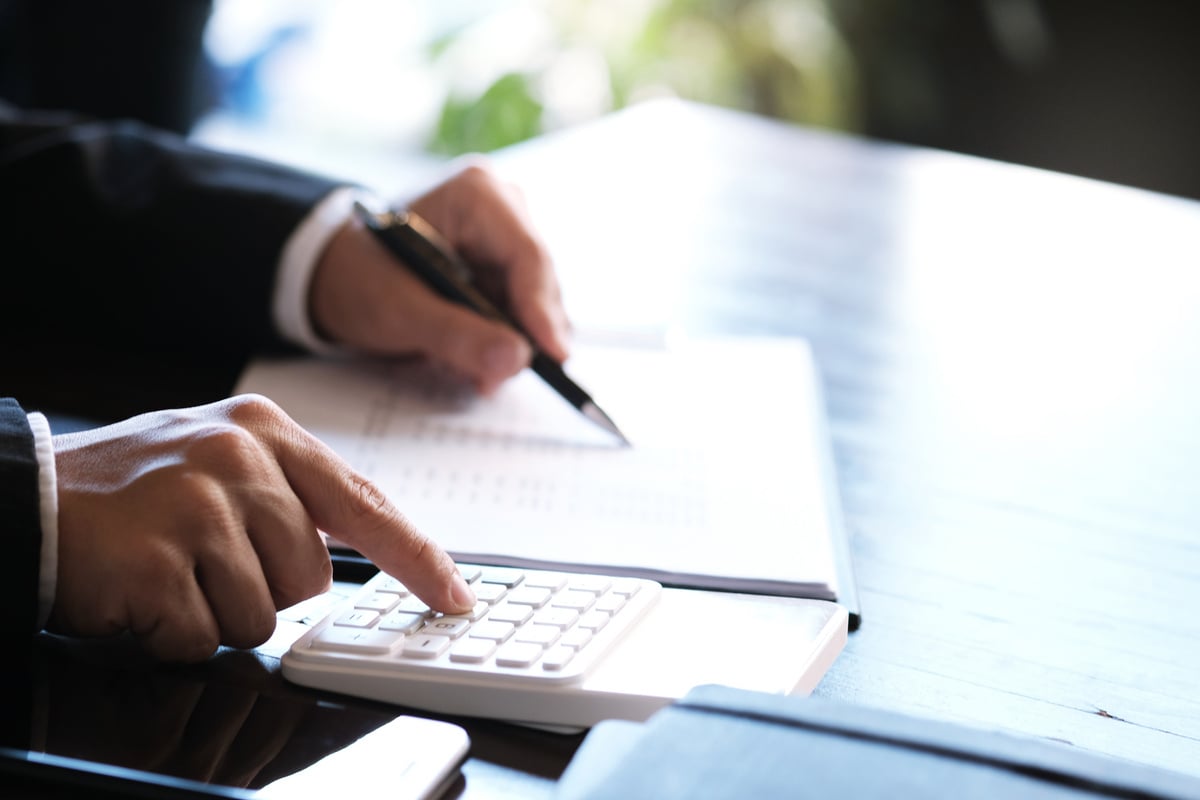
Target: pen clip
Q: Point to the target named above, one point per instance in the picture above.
(400, 219)
(419, 245)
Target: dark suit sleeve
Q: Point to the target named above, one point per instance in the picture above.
(20, 523)
(120, 236)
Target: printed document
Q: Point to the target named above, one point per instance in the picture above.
(725, 486)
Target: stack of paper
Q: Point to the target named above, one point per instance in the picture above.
(726, 485)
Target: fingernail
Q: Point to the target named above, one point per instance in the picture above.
(460, 593)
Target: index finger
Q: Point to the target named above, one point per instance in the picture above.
(347, 505)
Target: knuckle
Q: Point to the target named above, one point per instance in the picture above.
(301, 585)
(164, 561)
(531, 250)
(261, 629)
(255, 628)
(423, 551)
(477, 174)
(230, 449)
(253, 409)
(367, 504)
(320, 578)
(199, 496)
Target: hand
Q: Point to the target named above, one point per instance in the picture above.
(360, 298)
(190, 528)
(207, 726)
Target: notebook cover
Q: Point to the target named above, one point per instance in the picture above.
(727, 743)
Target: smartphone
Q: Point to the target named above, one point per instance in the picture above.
(86, 723)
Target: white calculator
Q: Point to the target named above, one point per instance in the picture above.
(532, 634)
(561, 650)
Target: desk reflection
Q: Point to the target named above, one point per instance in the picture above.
(229, 722)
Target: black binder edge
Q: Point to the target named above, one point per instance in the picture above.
(847, 588)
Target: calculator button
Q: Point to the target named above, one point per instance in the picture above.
(472, 651)
(470, 572)
(576, 638)
(544, 635)
(502, 575)
(535, 596)
(424, 646)
(413, 605)
(625, 588)
(496, 631)
(577, 601)
(518, 654)
(546, 580)
(402, 622)
(587, 583)
(510, 612)
(453, 627)
(357, 618)
(378, 601)
(390, 584)
(476, 613)
(611, 603)
(356, 640)
(489, 592)
(594, 620)
(557, 659)
(560, 617)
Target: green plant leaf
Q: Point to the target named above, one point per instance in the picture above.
(506, 113)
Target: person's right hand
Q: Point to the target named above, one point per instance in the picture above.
(360, 297)
(190, 528)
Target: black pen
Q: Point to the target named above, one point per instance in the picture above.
(420, 247)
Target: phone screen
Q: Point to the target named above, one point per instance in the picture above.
(104, 717)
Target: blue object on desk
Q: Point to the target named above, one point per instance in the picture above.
(729, 743)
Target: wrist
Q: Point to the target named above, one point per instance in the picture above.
(302, 255)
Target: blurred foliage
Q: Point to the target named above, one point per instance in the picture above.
(575, 59)
(506, 113)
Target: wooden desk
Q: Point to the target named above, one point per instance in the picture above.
(1012, 364)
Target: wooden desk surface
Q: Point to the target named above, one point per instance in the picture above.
(1012, 364)
(1012, 369)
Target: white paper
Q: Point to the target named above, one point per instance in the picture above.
(723, 487)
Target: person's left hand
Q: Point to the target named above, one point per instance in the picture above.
(359, 298)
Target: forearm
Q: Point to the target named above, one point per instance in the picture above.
(148, 232)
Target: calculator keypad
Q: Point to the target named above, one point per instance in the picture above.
(533, 623)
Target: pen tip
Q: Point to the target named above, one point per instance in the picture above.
(593, 412)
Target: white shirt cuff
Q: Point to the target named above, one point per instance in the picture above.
(299, 259)
(43, 446)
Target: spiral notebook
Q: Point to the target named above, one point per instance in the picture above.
(729, 484)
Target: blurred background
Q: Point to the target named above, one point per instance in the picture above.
(1100, 88)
